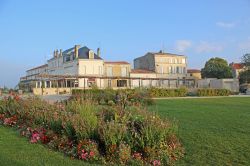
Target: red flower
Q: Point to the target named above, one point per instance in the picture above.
(91, 154)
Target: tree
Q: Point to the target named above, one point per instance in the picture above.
(244, 76)
(216, 68)
(246, 60)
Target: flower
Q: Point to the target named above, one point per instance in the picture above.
(35, 137)
(84, 156)
(91, 154)
(156, 162)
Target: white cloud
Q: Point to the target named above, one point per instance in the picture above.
(206, 47)
(182, 45)
(225, 24)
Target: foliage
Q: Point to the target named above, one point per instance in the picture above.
(244, 77)
(213, 92)
(160, 92)
(246, 60)
(80, 128)
(216, 68)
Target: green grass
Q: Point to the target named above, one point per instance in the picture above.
(214, 131)
(16, 150)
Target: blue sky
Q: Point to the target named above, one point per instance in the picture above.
(124, 29)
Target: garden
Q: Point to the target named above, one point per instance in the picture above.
(109, 128)
(106, 127)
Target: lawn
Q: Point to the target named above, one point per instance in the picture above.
(16, 150)
(214, 131)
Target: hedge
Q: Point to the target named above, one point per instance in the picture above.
(110, 94)
(160, 92)
(213, 92)
(152, 92)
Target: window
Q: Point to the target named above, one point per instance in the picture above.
(109, 83)
(184, 70)
(91, 54)
(124, 72)
(66, 58)
(109, 71)
(100, 70)
(170, 60)
(121, 83)
(170, 69)
(161, 70)
(174, 69)
(177, 69)
(183, 60)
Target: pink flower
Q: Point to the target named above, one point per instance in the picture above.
(156, 162)
(35, 137)
(91, 154)
(84, 156)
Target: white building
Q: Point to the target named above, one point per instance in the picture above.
(81, 67)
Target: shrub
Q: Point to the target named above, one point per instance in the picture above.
(161, 92)
(213, 92)
(121, 131)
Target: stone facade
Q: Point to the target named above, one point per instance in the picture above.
(117, 69)
(81, 67)
(195, 73)
(163, 64)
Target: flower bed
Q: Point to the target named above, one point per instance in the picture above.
(120, 133)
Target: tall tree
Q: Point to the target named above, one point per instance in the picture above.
(246, 60)
(216, 68)
(244, 76)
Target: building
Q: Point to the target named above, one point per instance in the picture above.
(28, 82)
(80, 67)
(145, 78)
(163, 64)
(120, 71)
(194, 73)
(237, 68)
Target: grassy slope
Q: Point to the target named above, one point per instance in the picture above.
(15, 150)
(213, 131)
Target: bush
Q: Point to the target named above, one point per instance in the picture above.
(160, 92)
(213, 92)
(120, 132)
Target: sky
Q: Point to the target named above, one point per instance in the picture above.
(124, 29)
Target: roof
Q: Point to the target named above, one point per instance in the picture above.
(42, 66)
(83, 53)
(237, 65)
(141, 71)
(117, 62)
(165, 53)
(159, 53)
(193, 71)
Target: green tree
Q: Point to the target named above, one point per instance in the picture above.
(216, 68)
(246, 60)
(244, 76)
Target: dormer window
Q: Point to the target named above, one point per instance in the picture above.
(91, 54)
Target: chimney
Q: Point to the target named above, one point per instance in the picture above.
(98, 52)
(60, 52)
(56, 53)
(76, 50)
